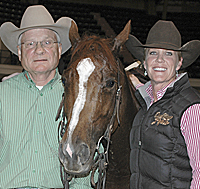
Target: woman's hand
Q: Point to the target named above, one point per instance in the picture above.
(135, 81)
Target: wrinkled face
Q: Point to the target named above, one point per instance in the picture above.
(161, 65)
(39, 59)
(89, 103)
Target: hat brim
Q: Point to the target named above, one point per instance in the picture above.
(135, 47)
(190, 51)
(10, 33)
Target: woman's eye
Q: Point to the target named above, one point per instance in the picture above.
(110, 83)
(152, 53)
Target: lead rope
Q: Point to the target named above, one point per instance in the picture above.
(65, 179)
(61, 131)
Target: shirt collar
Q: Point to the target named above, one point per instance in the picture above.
(147, 92)
(52, 82)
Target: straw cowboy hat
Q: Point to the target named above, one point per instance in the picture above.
(34, 17)
(165, 35)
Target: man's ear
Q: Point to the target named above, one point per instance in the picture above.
(60, 50)
(19, 53)
(179, 64)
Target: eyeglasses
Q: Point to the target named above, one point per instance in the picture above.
(45, 44)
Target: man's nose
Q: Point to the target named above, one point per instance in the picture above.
(39, 48)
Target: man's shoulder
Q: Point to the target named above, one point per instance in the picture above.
(12, 79)
(10, 76)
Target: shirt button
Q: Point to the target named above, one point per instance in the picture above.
(33, 170)
(38, 132)
(41, 94)
(36, 151)
(40, 112)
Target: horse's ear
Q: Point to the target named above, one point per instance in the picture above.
(73, 33)
(122, 37)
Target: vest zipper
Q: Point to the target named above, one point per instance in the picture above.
(140, 145)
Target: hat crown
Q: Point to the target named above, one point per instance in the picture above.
(36, 16)
(164, 34)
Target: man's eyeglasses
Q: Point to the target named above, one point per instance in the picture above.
(45, 44)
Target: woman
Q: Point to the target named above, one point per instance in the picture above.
(165, 136)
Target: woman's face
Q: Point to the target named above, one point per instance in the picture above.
(161, 65)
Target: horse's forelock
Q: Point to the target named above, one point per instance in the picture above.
(96, 48)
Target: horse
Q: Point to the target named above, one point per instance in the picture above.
(99, 105)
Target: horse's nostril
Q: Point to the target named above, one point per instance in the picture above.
(84, 153)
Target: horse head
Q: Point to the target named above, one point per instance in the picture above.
(92, 81)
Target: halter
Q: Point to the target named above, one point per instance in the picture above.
(101, 160)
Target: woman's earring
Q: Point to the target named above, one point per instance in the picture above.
(145, 73)
(176, 73)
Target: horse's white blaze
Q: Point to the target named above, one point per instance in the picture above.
(69, 151)
(84, 68)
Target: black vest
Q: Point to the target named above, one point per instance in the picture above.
(159, 158)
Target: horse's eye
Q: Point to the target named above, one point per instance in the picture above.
(110, 83)
(63, 81)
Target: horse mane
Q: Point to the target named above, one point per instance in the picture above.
(94, 47)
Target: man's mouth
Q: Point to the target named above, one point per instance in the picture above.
(40, 60)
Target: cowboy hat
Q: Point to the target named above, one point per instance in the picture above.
(34, 17)
(164, 35)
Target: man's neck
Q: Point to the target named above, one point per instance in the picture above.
(41, 79)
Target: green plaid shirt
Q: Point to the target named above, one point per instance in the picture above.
(28, 134)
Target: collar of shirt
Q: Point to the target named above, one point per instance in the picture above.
(51, 83)
(147, 92)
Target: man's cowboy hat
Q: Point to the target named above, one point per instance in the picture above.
(34, 17)
(165, 35)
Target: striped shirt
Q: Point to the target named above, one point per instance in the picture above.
(28, 135)
(190, 129)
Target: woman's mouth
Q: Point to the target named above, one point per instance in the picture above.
(160, 69)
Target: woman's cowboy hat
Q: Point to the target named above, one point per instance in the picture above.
(34, 17)
(165, 35)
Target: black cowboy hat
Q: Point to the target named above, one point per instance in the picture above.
(165, 35)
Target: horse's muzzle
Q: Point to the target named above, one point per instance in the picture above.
(75, 159)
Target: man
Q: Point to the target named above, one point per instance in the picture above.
(165, 134)
(29, 102)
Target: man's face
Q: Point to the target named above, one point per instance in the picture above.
(161, 65)
(39, 59)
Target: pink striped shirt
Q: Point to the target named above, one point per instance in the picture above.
(190, 129)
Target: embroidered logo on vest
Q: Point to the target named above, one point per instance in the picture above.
(161, 119)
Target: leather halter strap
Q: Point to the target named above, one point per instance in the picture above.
(101, 161)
